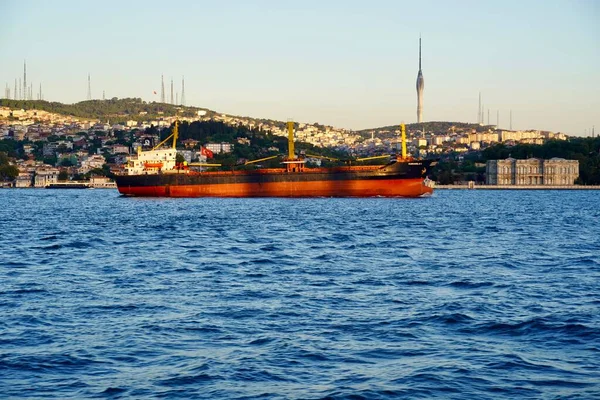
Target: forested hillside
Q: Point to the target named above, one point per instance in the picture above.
(116, 110)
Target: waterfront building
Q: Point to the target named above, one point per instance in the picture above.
(533, 171)
(102, 182)
(23, 180)
(44, 177)
(558, 171)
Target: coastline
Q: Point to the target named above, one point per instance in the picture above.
(517, 187)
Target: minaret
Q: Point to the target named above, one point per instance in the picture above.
(162, 88)
(420, 87)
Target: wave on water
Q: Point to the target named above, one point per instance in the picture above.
(462, 295)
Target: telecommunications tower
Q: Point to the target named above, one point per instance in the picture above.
(25, 88)
(480, 112)
(420, 87)
(183, 91)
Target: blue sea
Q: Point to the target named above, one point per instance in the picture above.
(462, 295)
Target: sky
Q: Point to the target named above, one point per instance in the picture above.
(350, 64)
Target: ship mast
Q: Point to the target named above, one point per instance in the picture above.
(175, 133)
(403, 130)
(290, 126)
(292, 163)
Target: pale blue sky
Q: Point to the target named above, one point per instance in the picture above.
(351, 64)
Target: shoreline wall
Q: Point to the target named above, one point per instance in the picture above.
(519, 187)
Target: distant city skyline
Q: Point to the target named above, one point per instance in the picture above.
(346, 64)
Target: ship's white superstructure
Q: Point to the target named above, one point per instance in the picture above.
(151, 161)
(155, 161)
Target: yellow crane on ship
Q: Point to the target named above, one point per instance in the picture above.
(292, 161)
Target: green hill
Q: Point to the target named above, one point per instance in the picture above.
(114, 109)
(438, 127)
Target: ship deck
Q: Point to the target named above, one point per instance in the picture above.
(276, 171)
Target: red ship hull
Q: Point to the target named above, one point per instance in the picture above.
(400, 179)
(384, 188)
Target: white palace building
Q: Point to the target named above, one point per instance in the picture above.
(553, 172)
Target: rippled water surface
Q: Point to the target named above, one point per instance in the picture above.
(467, 294)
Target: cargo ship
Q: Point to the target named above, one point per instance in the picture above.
(156, 173)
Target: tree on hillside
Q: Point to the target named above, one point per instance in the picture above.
(7, 172)
(9, 147)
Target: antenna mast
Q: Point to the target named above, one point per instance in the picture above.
(25, 88)
(183, 91)
(479, 119)
(89, 93)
